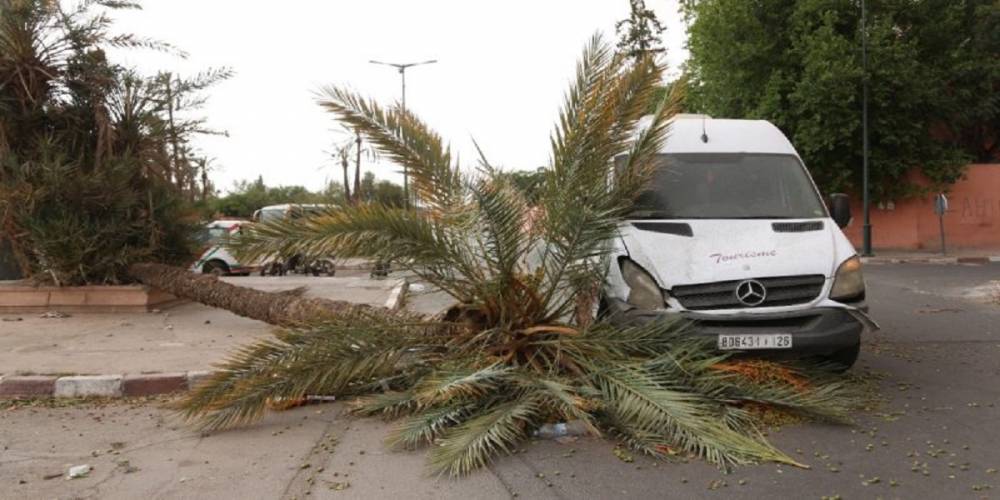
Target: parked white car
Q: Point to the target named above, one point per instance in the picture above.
(214, 257)
(734, 235)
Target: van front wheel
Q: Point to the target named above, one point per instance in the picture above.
(845, 358)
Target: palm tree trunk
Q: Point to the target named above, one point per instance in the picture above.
(347, 181)
(281, 308)
(357, 168)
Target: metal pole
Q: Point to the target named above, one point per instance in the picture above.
(402, 73)
(867, 228)
(941, 226)
(406, 172)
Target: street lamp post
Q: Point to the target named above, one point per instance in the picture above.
(402, 73)
(866, 229)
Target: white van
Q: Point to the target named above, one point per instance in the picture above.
(733, 234)
(288, 211)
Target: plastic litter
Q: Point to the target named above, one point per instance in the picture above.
(549, 431)
(78, 471)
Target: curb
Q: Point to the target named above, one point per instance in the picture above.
(108, 386)
(931, 260)
(397, 297)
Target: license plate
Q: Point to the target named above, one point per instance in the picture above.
(745, 342)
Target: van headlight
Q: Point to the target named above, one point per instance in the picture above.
(643, 293)
(849, 283)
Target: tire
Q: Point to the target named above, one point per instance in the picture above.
(845, 358)
(327, 267)
(216, 267)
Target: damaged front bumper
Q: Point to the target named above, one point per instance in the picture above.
(818, 331)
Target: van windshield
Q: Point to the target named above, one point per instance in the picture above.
(729, 186)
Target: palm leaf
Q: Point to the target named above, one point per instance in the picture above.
(645, 408)
(427, 425)
(430, 248)
(329, 360)
(496, 429)
(466, 383)
(582, 210)
(403, 138)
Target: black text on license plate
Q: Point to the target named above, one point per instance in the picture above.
(743, 342)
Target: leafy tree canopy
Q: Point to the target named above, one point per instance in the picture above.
(934, 82)
(248, 196)
(639, 34)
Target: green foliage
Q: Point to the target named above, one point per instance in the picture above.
(246, 197)
(381, 192)
(520, 348)
(83, 190)
(528, 182)
(639, 34)
(934, 76)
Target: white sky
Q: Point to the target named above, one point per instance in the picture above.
(502, 71)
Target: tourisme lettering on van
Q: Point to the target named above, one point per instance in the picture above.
(719, 258)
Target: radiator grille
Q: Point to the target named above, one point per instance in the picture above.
(781, 291)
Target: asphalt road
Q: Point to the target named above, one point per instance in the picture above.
(937, 434)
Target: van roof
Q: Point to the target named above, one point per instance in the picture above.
(227, 223)
(724, 136)
(286, 206)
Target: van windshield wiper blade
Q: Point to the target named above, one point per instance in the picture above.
(650, 215)
(754, 217)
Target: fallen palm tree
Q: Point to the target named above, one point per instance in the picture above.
(288, 308)
(520, 348)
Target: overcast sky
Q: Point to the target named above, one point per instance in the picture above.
(502, 71)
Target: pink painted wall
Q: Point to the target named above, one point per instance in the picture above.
(972, 221)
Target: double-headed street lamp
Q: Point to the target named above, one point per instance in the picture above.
(402, 73)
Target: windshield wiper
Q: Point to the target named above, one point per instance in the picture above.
(649, 215)
(754, 217)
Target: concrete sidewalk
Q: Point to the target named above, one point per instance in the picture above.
(142, 451)
(189, 337)
(952, 257)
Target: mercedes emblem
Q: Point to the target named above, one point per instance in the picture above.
(751, 293)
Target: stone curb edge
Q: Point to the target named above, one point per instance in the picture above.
(930, 260)
(108, 386)
(397, 297)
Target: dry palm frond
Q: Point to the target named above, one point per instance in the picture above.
(510, 355)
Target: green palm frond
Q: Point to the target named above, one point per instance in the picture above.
(503, 212)
(390, 404)
(496, 430)
(424, 427)
(403, 138)
(660, 416)
(443, 385)
(429, 247)
(577, 403)
(821, 395)
(332, 359)
(582, 208)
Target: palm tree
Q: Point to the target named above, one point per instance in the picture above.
(515, 351)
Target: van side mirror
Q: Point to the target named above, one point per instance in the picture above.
(840, 209)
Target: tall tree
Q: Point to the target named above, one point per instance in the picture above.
(640, 34)
(182, 98)
(934, 78)
(86, 180)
